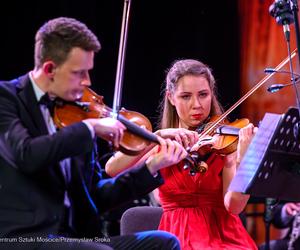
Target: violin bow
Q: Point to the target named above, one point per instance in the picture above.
(121, 59)
(241, 100)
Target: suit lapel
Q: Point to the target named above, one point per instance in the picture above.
(39, 127)
(30, 103)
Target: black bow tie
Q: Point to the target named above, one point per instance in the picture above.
(50, 104)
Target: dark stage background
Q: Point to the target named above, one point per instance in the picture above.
(159, 32)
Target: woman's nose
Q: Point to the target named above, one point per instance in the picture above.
(196, 102)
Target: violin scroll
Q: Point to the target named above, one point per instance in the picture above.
(194, 163)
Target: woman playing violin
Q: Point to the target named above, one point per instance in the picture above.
(198, 209)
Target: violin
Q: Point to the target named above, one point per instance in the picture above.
(91, 105)
(196, 159)
(223, 144)
(228, 136)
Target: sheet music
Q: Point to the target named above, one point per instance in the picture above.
(255, 153)
(271, 165)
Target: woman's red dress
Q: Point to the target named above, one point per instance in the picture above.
(194, 210)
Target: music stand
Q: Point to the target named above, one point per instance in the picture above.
(271, 165)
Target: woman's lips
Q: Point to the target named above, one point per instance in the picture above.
(197, 116)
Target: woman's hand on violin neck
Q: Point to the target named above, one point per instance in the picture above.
(168, 153)
(205, 140)
(108, 129)
(245, 136)
(185, 137)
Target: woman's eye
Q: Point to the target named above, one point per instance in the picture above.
(185, 97)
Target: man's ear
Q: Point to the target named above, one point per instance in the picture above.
(170, 98)
(49, 68)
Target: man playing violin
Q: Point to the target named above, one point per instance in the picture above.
(50, 183)
(205, 211)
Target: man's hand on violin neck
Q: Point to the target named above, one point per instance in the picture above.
(108, 129)
(166, 154)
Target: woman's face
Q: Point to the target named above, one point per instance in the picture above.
(192, 100)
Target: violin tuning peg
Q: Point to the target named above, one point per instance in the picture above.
(202, 167)
(188, 162)
(192, 173)
(185, 166)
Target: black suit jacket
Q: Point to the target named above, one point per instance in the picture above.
(31, 183)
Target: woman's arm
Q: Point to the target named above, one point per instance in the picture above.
(121, 162)
(235, 202)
